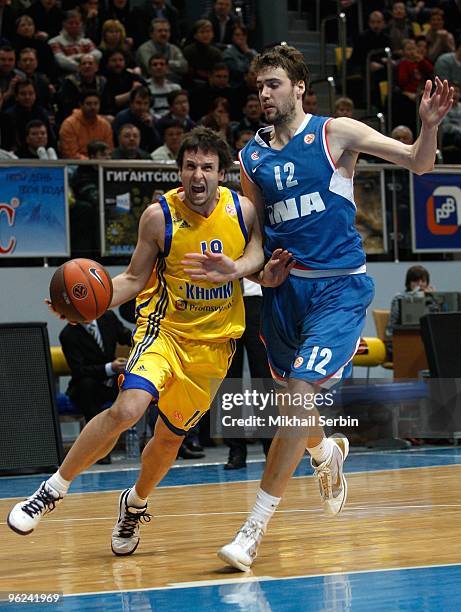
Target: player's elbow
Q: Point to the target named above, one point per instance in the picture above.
(423, 168)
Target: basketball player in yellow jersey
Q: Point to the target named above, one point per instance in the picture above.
(188, 318)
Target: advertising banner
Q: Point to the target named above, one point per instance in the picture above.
(436, 212)
(370, 220)
(126, 192)
(33, 212)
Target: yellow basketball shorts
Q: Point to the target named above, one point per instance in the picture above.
(182, 375)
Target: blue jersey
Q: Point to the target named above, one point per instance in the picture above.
(309, 206)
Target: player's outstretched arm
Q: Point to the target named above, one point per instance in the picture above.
(348, 135)
(150, 237)
(218, 267)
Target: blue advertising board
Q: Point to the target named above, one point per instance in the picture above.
(33, 212)
(436, 212)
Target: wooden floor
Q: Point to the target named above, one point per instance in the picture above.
(393, 519)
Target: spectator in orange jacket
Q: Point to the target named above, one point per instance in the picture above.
(83, 126)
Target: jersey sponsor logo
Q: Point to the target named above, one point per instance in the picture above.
(443, 210)
(298, 362)
(309, 138)
(293, 208)
(223, 292)
(254, 155)
(95, 273)
(255, 168)
(230, 210)
(141, 368)
(79, 291)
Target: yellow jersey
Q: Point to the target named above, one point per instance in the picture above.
(174, 303)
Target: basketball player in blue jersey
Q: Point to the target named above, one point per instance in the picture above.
(185, 330)
(298, 172)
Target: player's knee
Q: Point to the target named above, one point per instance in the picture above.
(167, 438)
(126, 413)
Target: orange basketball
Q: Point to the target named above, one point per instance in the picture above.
(81, 290)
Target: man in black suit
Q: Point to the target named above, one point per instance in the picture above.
(223, 22)
(90, 352)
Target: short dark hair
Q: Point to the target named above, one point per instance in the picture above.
(251, 98)
(7, 49)
(87, 93)
(219, 66)
(142, 92)
(239, 26)
(171, 97)
(200, 23)
(158, 56)
(286, 57)
(96, 146)
(156, 21)
(23, 83)
(34, 123)
(71, 15)
(110, 52)
(416, 273)
(243, 131)
(126, 126)
(28, 50)
(207, 141)
(171, 123)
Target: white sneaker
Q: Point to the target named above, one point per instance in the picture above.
(26, 515)
(332, 483)
(242, 551)
(125, 535)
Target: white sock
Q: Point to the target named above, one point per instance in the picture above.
(57, 482)
(264, 507)
(133, 499)
(321, 452)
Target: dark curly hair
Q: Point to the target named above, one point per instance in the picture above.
(286, 57)
(207, 141)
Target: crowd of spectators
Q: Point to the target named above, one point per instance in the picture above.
(425, 40)
(86, 69)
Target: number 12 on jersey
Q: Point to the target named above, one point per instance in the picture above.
(325, 353)
(289, 170)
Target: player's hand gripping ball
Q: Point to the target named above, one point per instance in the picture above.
(81, 290)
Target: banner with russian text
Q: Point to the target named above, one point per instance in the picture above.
(126, 193)
(370, 199)
(436, 212)
(33, 212)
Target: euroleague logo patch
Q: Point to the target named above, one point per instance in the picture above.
(255, 155)
(79, 291)
(298, 362)
(178, 416)
(309, 138)
(230, 210)
(180, 304)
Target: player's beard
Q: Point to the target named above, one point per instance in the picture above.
(286, 113)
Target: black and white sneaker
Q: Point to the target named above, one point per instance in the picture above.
(26, 515)
(125, 535)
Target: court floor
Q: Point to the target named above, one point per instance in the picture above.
(396, 546)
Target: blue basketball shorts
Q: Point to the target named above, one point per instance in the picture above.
(312, 327)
